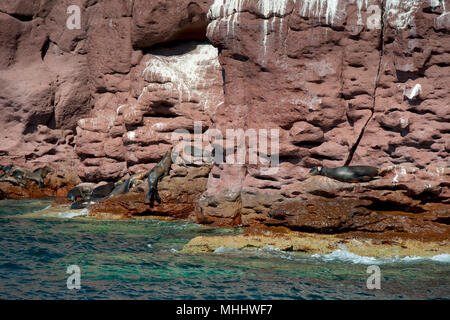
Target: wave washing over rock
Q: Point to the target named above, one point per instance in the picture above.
(346, 256)
(341, 255)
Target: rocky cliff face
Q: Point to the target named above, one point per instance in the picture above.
(343, 82)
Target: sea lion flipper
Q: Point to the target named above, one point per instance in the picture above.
(158, 198)
(152, 200)
(149, 197)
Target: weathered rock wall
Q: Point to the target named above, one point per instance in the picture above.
(53, 76)
(344, 82)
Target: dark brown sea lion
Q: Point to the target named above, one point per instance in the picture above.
(81, 204)
(102, 191)
(82, 192)
(125, 186)
(43, 172)
(5, 169)
(13, 181)
(347, 174)
(157, 174)
(25, 175)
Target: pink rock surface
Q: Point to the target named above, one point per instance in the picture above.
(347, 88)
(340, 85)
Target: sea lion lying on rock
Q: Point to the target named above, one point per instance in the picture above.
(83, 192)
(13, 181)
(22, 175)
(125, 186)
(347, 174)
(81, 204)
(102, 191)
(157, 174)
(5, 169)
(43, 172)
(19, 176)
(87, 195)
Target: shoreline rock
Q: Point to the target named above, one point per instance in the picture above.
(309, 243)
(55, 184)
(319, 206)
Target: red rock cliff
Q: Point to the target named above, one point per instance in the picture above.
(344, 82)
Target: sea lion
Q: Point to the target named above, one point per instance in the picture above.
(13, 181)
(125, 186)
(82, 192)
(25, 175)
(102, 191)
(80, 204)
(43, 172)
(120, 189)
(5, 169)
(157, 174)
(347, 174)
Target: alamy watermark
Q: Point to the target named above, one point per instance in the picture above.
(74, 280)
(73, 21)
(236, 146)
(374, 280)
(373, 20)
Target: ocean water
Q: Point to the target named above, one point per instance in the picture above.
(141, 259)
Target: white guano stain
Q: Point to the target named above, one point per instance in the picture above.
(435, 3)
(185, 73)
(395, 179)
(131, 135)
(159, 126)
(414, 92)
(401, 13)
(119, 108)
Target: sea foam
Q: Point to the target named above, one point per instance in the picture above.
(347, 256)
(73, 214)
(340, 255)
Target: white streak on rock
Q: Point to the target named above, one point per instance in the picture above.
(119, 108)
(185, 73)
(131, 135)
(272, 7)
(265, 28)
(401, 13)
(414, 92)
(395, 179)
(316, 8)
(159, 126)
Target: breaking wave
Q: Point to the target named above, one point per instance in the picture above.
(347, 256)
(341, 255)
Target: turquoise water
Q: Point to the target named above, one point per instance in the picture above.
(141, 259)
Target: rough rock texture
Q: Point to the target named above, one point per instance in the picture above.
(307, 243)
(171, 88)
(343, 82)
(52, 77)
(44, 81)
(56, 184)
(342, 86)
